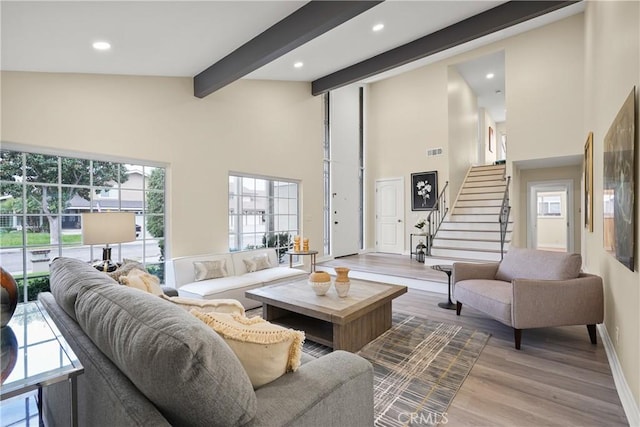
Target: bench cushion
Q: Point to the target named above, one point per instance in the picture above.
(520, 263)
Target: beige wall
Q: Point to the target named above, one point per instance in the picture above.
(612, 67)
(463, 131)
(409, 113)
(267, 128)
(527, 176)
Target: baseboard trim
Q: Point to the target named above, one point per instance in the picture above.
(629, 404)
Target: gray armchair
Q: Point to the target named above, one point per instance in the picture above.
(531, 289)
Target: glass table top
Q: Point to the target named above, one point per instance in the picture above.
(34, 353)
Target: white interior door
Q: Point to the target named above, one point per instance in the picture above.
(390, 215)
(345, 171)
(550, 216)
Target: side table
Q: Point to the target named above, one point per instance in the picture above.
(449, 305)
(44, 355)
(312, 254)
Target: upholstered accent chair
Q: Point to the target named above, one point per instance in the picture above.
(531, 289)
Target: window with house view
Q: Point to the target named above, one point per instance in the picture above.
(43, 196)
(263, 213)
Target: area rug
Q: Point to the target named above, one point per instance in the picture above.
(419, 366)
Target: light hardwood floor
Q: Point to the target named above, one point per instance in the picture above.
(558, 378)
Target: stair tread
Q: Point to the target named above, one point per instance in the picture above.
(466, 249)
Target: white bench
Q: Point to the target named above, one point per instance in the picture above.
(181, 275)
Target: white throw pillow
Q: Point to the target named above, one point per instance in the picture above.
(142, 280)
(210, 269)
(206, 305)
(259, 262)
(266, 351)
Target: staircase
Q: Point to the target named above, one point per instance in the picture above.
(472, 231)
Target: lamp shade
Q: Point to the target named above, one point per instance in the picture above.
(108, 227)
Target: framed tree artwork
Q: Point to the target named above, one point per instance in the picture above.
(424, 190)
(588, 183)
(619, 177)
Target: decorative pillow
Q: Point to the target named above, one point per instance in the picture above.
(125, 268)
(266, 351)
(217, 305)
(142, 280)
(210, 269)
(259, 262)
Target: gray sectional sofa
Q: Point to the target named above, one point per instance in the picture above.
(151, 363)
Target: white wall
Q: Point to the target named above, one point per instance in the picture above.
(258, 127)
(612, 68)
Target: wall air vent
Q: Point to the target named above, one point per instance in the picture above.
(434, 152)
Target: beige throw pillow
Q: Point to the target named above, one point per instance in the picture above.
(142, 280)
(259, 262)
(204, 305)
(205, 270)
(125, 268)
(266, 351)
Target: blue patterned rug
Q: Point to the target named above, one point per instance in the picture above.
(419, 366)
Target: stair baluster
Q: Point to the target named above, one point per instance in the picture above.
(503, 218)
(436, 216)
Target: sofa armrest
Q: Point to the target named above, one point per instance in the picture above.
(333, 390)
(211, 305)
(465, 271)
(542, 303)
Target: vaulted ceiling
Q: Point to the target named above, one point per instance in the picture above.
(217, 42)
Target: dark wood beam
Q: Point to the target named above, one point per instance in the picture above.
(308, 22)
(487, 22)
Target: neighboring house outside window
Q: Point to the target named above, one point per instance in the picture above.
(263, 212)
(42, 198)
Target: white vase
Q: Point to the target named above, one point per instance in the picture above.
(342, 288)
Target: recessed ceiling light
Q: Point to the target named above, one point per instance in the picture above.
(298, 64)
(378, 27)
(490, 75)
(102, 45)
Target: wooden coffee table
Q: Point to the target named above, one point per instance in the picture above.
(341, 323)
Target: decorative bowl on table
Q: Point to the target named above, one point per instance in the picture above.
(320, 281)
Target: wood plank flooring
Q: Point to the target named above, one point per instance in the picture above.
(558, 378)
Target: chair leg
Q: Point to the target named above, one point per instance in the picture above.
(592, 334)
(458, 308)
(517, 335)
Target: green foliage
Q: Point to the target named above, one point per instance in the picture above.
(282, 241)
(157, 270)
(36, 284)
(155, 205)
(14, 239)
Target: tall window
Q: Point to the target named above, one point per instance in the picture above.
(326, 179)
(42, 198)
(263, 213)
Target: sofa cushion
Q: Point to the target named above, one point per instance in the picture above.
(534, 264)
(175, 360)
(205, 270)
(489, 296)
(266, 351)
(207, 288)
(274, 274)
(68, 276)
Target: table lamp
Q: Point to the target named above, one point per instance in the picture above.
(105, 228)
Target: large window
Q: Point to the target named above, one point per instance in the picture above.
(263, 213)
(42, 198)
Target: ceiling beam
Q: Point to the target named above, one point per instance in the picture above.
(308, 22)
(487, 22)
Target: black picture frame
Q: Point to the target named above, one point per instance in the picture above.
(424, 191)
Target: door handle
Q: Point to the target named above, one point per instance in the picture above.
(399, 220)
(335, 222)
